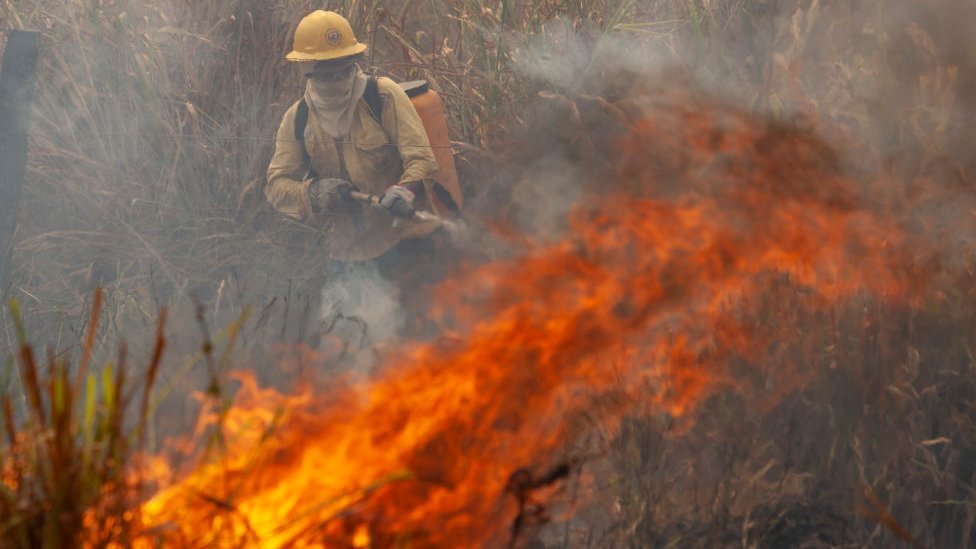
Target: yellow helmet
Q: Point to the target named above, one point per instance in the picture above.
(324, 35)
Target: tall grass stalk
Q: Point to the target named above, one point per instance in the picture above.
(67, 447)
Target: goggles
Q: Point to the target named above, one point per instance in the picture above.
(331, 74)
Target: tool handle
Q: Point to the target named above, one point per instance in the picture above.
(418, 215)
(374, 201)
(365, 197)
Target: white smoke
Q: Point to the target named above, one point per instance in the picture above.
(361, 307)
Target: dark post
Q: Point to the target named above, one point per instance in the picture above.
(16, 94)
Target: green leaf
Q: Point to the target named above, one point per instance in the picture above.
(88, 422)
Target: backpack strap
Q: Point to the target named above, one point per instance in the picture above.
(301, 122)
(372, 97)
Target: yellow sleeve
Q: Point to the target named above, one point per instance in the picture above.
(406, 131)
(285, 189)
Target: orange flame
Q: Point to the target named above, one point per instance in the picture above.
(635, 309)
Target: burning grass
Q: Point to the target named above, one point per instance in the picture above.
(640, 306)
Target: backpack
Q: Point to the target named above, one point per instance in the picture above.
(371, 95)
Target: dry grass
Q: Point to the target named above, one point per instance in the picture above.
(154, 123)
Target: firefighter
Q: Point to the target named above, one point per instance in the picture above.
(333, 142)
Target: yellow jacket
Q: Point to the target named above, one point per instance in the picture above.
(376, 156)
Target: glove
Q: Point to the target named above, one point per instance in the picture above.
(328, 194)
(398, 200)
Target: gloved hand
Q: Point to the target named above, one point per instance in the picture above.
(398, 200)
(328, 194)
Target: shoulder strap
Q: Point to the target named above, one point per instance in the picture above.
(301, 122)
(372, 97)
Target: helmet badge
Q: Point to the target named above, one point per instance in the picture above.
(333, 36)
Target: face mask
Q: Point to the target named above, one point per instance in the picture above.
(332, 90)
(335, 101)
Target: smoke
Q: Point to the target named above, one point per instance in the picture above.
(361, 306)
(548, 191)
(885, 94)
(890, 91)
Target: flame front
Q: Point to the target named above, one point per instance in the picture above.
(636, 308)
